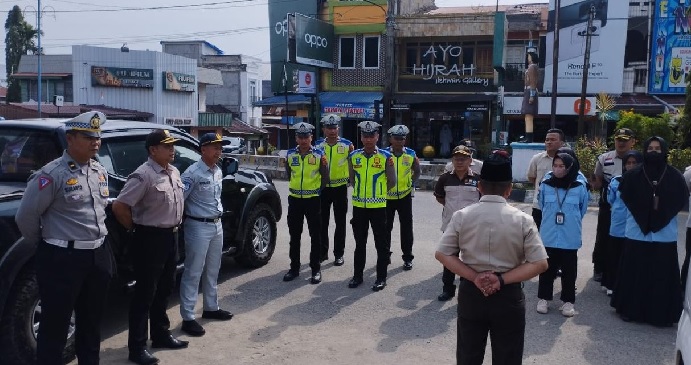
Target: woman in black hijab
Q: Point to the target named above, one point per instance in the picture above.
(649, 287)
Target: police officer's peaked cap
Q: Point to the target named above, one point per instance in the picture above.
(208, 138)
(399, 130)
(88, 123)
(369, 127)
(462, 150)
(624, 134)
(159, 136)
(303, 128)
(330, 120)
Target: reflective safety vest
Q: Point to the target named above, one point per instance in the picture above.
(337, 156)
(404, 173)
(369, 187)
(305, 178)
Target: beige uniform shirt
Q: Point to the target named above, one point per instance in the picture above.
(608, 166)
(155, 195)
(492, 235)
(65, 201)
(539, 165)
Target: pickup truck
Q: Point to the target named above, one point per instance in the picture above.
(251, 207)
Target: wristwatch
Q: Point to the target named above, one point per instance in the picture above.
(501, 279)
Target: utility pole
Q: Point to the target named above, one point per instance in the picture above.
(389, 67)
(555, 67)
(586, 67)
(38, 22)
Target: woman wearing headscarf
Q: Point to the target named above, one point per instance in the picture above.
(563, 199)
(648, 287)
(617, 228)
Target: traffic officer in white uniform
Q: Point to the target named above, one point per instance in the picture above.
(63, 210)
(308, 171)
(400, 198)
(372, 175)
(203, 235)
(335, 192)
(608, 165)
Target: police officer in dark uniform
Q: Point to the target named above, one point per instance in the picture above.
(308, 171)
(150, 205)
(608, 165)
(63, 209)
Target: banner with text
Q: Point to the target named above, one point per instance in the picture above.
(173, 81)
(313, 41)
(566, 105)
(351, 110)
(608, 43)
(122, 77)
(670, 62)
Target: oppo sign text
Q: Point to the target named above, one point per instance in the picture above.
(315, 40)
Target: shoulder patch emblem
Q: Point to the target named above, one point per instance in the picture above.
(44, 181)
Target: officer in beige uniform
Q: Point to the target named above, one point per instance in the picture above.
(540, 164)
(456, 190)
(63, 210)
(499, 247)
(150, 205)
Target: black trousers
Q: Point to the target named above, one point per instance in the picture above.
(404, 207)
(338, 197)
(71, 279)
(685, 266)
(537, 217)
(154, 255)
(363, 218)
(502, 315)
(613, 252)
(447, 278)
(567, 261)
(298, 210)
(604, 221)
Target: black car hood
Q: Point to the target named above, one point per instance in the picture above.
(11, 187)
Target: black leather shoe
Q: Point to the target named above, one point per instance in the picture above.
(169, 342)
(219, 314)
(355, 282)
(324, 258)
(445, 296)
(379, 285)
(597, 277)
(339, 261)
(192, 328)
(291, 275)
(407, 265)
(142, 357)
(316, 278)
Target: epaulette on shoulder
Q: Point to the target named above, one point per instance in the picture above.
(50, 166)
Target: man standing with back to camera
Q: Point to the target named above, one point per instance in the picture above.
(150, 206)
(335, 192)
(63, 210)
(500, 247)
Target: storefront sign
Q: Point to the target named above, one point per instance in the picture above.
(307, 82)
(400, 106)
(565, 105)
(185, 122)
(173, 81)
(122, 77)
(606, 49)
(671, 59)
(351, 110)
(314, 40)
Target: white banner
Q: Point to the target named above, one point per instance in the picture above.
(608, 42)
(566, 105)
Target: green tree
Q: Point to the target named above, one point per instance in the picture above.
(19, 40)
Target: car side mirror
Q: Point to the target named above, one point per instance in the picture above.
(229, 166)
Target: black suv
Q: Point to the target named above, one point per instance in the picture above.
(250, 202)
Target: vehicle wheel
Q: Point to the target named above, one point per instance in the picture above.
(259, 241)
(20, 322)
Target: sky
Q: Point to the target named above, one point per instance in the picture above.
(235, 26)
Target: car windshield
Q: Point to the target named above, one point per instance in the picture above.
(23, 151)
(121, 156)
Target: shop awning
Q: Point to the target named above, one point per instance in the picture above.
(440, 98)
(296, 99)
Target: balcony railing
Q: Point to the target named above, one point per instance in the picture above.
(638, 8)
(635, 77)
(215, 119)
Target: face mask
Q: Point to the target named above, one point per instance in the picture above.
(559, 172)
(655, 157)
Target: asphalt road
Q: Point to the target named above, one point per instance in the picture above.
(299, 323)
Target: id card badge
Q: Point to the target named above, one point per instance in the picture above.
(559, 218)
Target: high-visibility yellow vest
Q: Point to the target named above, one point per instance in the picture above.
(404, 174)
(337, 157)
(369, 185)
(305, 177)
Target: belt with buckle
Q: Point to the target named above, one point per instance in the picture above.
(79, 245)
(205, 220)
(139, 227)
